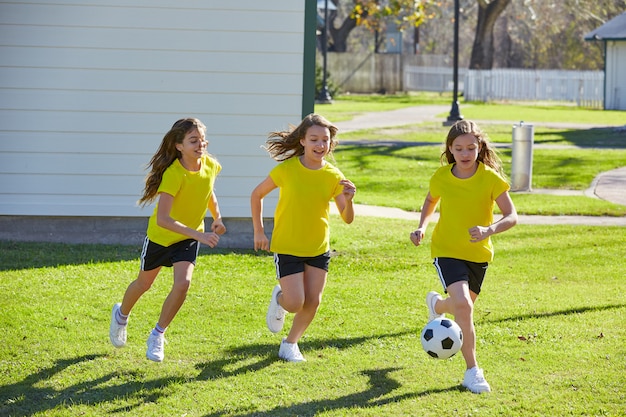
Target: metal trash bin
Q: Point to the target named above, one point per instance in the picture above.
(522, 157)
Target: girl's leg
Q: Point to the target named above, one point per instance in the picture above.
(137, 288)
(310, 290)
(182, 280)
(460, 304)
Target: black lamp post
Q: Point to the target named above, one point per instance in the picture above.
(455, 113)
(323, 96)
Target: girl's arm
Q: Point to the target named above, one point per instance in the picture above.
(256, 206)
(508, 220)
(218, 224)
(428, 208)
(166, 221)
(344, 201)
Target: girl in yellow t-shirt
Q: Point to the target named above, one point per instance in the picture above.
(300, 239)
(182, 176)
(466, 188)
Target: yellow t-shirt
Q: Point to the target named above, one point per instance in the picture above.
(191, 191)
(464, 203)
(301, 217)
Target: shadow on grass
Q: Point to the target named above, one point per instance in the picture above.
(34, 394)
(27, 255)
(608, 137)
(379, 384)
(549, 314)
(584, 138)
(238, 358)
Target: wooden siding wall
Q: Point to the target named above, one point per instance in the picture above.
(615, 87)
(89, 88)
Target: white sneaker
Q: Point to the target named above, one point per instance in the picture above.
(290, 352)
(275, 317)
(431, 299)
(475, 381)
(155, 350)
(117, 332)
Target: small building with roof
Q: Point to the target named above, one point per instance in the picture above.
(613, 35)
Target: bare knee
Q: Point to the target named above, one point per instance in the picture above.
(462, 307)
(292, 305)
(181, 286)
(143, 285)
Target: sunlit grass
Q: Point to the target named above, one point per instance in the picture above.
(549, 323)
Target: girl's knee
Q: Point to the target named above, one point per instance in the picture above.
(463, 306)
(181, 286)
(293, 305)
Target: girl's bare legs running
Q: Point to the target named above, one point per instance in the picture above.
(182, 280)
(175, 299)
(302, 294)
(460, 304)
(137, 288)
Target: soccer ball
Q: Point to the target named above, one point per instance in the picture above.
(442, 338)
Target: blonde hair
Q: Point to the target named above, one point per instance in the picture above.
(166, 155)
(286, 144)
(487, 154)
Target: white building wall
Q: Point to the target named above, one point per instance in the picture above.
(615, 90)
(88, 88)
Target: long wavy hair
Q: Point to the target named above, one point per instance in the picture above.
(487, 154)
(166, 155)
(286, 144)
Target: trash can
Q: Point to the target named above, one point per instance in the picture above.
(522, 157)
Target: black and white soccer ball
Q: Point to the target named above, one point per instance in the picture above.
(442, 338)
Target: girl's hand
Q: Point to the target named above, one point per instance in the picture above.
(218, 227)
(349, 189)
(417, 236)
(261, 242)
(478, 233)
(209, 238)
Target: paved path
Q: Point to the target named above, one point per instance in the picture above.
(610, 186)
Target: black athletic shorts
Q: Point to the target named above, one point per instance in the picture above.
(453, 270)
(154, 255)
(289, 264)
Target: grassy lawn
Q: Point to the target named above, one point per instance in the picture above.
(549, 324)
(550, 321)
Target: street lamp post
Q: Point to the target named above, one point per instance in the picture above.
(455, 113)
(323, 96)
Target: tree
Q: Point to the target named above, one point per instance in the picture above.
(373, 15)
(483, 48)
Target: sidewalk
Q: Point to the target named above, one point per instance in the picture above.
(609, 186)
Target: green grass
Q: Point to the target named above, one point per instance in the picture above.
(549, 324)
(550, 321)
(542, 113)
(345, 107)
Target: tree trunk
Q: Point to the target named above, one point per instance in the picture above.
(482, 50)
(339, 36)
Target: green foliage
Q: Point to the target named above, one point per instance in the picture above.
(549, 332)
(333, 89)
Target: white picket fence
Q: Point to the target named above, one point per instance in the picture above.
(585, 88)
(439, 79)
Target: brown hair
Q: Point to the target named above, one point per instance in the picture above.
(286, 144)
(166, 155)
(487, 155)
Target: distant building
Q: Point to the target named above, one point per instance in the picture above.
(613, 35)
